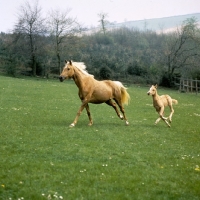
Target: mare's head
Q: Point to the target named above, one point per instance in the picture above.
(153, 89)
(68, 71)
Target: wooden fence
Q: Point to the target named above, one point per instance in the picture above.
(188, 85)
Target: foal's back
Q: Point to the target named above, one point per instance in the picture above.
(166, 100)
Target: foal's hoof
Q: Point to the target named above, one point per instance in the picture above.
(168, 125)
(127, 123)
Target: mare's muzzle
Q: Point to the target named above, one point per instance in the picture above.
(61, 78)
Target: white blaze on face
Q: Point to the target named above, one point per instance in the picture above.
(150, 91)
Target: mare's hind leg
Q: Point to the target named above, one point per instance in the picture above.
(89, 115)
(113, 104)
(122, 110)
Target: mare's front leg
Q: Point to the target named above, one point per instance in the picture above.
(89, 115)
(77, 115)
(83, 105)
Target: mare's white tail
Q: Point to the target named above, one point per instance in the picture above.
(125, 95)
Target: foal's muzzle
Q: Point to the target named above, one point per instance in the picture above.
(61, 78)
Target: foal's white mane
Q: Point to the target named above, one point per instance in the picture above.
(82, 67)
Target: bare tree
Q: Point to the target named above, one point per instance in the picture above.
(182, 48)
(30, 23)
(103, 21)
(61, 27)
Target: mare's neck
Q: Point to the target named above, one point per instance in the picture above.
(78, 76)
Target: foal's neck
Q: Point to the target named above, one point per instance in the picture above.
(155, 96)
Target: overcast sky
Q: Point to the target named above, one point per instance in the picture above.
(86, 11)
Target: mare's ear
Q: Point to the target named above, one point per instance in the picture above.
(70, 62)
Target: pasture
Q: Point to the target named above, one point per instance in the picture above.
(43, 158)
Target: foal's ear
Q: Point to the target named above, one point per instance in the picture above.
(65, 61)
(156, 85)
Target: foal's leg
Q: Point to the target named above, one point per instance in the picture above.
(113, 104)
(172, 112)
(158, 110)
(162, 117)
(157, 120)
(89, 115)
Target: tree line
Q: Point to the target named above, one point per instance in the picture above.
(38, 46)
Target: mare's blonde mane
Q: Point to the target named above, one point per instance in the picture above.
(82, 67)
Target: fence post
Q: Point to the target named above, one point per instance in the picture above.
(185, 85)
(196, 85)
(191, 85)
(180, 85)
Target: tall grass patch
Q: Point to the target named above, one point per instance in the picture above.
(42, 158)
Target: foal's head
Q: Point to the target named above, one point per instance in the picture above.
(68, 71)
(153, 90)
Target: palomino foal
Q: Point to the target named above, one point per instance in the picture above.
(160, 102)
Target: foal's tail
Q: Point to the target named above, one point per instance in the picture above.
(174, 101)
(124, 94)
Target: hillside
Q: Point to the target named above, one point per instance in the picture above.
(165, 24)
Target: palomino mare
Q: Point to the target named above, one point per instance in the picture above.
(160, 102)
(94, 91)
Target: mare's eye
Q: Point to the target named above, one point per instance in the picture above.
(68, 68)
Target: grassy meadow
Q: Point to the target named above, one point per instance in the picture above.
(43, 158)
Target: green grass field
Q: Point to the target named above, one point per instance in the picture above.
(42, 158)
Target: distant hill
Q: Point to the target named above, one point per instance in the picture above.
(165, 24)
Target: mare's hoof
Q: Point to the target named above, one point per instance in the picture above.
(121, 117)
(127, 123)
(71, 125)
